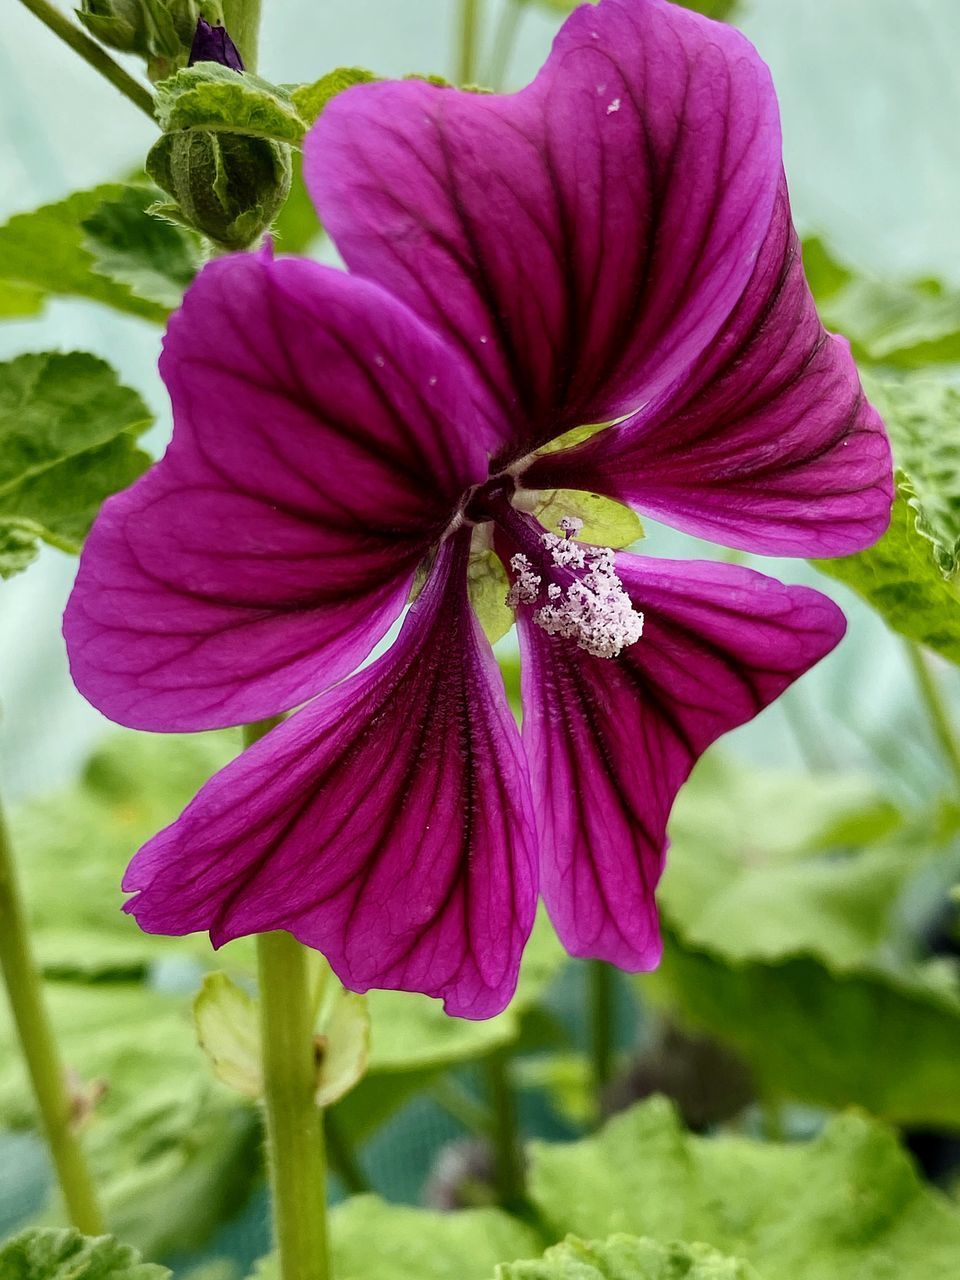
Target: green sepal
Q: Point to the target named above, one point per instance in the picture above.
(210, 97)
(487, 584)
(606, 523)
(227, 186)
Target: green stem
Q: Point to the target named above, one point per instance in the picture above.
(601, 1003)
(467, 44)
(508, 1156)
(460, 1106)
(25, 991)
(343, 1158)
(242, 20)
(936, 710)
(93, 53)
(297, 1163)
(503, 41)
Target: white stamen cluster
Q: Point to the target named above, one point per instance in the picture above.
(594, 610)
(526, 585)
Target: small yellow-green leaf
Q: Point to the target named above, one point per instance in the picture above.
(217, 99)
(310, 99)
(343, 1046)
(488, 585)
(605, 523)
(228, 1030)
(576, 435)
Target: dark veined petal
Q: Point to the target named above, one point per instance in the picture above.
(580, 242)
(770, 446)
(388, 824)
(323, 437)
(610, 741)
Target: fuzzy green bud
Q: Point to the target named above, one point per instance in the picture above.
(159, 31)
(228, 186)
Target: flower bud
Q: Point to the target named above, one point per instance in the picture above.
(161, 32)
(119, 24)
(228, 186)
(213, 44)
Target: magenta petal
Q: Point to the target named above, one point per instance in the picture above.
(388, 824)
(610, 741)
(322, 440)
(770, 446)
(581, 241)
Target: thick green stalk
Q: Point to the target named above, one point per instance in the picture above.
(297, 1160)
(242, 20)
(937, 712)
(508, 1155)
(601, 1002)
(295, 1138)
(93, 53)
(25, 992)
(467, 41)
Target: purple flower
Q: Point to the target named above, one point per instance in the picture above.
(613, 244)
(213, 44)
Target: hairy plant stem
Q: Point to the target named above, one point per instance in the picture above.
(47, 1076)
(295, 1146)
(93, 53)
(467, 43)
(504, 39)
(296, 1152)
(937, 712)
(242, 20)
(601, 1002)
(508, 1155)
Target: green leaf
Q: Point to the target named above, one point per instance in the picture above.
(606, 523)
(847, 1206)
(922, 416)
(154, 258)
(899, 577)
(623, 1257)
(228, 1032)
(310, 99)
(47, 252)
(67, 1255)
(217, 99)
(371, 1238)
(18, 300)
(488, 585)
(67, 441)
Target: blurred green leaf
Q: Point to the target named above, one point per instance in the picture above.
(371, 1238)
(899, 577)
(882, 1037)
(173, 1154)
(297, 225)
(343, 1043)
(847, 1206)
(623, 1257)
(217, 99)
(74, 844)
(48, 252)
(49, 1254)
(902, 325)
(765, 865)
(68, 433)
(154, 258)
(17, 300)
